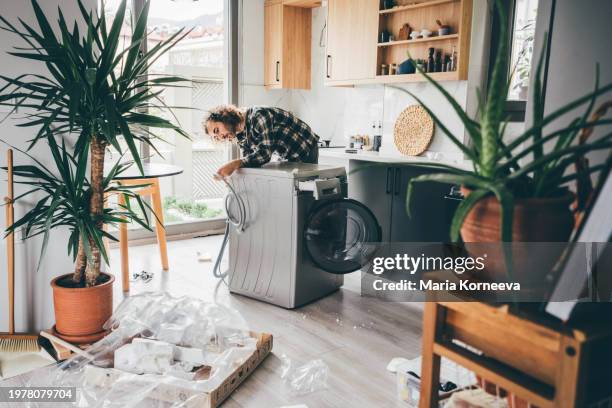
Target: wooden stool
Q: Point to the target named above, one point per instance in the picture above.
(539, 360)
(132, 177)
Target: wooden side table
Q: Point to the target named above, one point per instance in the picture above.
(541, 361)
(132, 177)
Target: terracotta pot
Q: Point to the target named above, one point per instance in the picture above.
(535, 220)
(544, 220)
(80, 313)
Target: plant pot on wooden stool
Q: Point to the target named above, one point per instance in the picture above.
(535, 220)
(80, 312)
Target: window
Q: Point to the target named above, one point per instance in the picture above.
(521, 23)
(191, 199)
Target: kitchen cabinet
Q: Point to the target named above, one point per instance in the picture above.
(287, 38)
(370, 184)
(355, 55)
(351, 40)
(383, 189)
(431, 211)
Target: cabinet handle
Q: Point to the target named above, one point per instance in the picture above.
(327, 66)
(396, 181)
(389, 182)
(277, 70)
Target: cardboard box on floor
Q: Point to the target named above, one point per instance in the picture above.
(102, 377)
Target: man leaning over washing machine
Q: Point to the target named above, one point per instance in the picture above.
(261, 131)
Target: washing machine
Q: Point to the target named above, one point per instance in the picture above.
(300, 233)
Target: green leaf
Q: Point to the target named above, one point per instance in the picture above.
(49, 214)
(547, 158)
(111, 43)
(138, 37)
(129, 140)
(538, 112)
(506, 201)
(471, 126)
(43, 23)
(496, 99)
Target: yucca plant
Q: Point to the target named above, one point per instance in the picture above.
(63, 196)
(95, 93)
(534, 164)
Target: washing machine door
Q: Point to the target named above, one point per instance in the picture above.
(341, 235)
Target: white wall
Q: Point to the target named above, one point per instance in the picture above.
(580, 39)
(34, 305)
(336, 113)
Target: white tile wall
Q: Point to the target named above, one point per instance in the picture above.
(395, 101)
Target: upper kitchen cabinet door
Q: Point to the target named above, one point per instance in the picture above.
(273, 44)
(352, 27)
(287, 43)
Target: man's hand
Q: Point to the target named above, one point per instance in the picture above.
(227, 169)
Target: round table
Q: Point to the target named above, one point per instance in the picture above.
(152, 172)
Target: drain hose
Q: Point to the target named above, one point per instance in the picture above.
(239, 222)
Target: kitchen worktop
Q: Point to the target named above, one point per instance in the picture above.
(436, 158)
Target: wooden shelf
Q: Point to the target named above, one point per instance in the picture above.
(420, 40)
(415, 6)
(302, 3)
(361, 65)
(438, 76)
(511, 379)
(389, 79)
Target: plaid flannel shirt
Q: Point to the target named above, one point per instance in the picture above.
(274, 130)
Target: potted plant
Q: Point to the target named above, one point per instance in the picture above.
(97, 95)
(516, 190)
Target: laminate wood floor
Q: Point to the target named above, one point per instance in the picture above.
(355, 336)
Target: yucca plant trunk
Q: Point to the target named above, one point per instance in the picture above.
(91, 266)
(80, 263)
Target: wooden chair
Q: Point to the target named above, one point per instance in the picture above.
(152, 174)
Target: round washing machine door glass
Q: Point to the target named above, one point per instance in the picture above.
(341, 235)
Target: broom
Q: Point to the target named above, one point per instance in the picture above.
(12, 342)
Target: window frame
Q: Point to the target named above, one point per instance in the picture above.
(182, 230)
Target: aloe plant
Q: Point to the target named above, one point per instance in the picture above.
(93, 92)
(518, 168)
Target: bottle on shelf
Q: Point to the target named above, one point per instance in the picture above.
(431, 65)
(454, 59)
(438, 61)
(447, 63)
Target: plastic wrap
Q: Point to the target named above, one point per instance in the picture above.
(409, 386)
(213, 341)
(304, 379)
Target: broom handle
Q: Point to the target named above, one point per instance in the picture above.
(10, 242)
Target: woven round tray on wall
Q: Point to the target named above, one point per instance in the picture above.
(413, 130)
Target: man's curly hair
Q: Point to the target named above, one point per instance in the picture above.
(229, 115)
